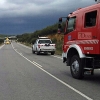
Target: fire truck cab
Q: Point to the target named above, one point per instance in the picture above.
(81, 46)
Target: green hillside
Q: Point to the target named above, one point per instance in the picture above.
(2, 37)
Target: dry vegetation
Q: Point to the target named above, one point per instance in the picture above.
(58, 40)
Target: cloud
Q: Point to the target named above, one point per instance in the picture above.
(24, 7)
(17, 15)
(13, 8)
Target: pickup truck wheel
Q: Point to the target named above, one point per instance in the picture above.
(37, 52)
(52, 53)
(33, 51)
(76, 67)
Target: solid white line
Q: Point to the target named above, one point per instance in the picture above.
(57, 57)
(75, 90)
(26, 58)
(2, 46)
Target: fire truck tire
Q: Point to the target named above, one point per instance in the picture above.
(76, 67)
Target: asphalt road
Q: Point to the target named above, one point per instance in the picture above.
(27, 76)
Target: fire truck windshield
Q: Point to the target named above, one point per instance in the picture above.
(71, 24)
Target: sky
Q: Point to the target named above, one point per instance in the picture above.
(27, 16)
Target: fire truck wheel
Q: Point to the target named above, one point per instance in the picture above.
(76, 67)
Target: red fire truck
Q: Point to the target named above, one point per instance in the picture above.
(81, 47)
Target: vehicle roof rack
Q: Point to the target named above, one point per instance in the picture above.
(43, 37)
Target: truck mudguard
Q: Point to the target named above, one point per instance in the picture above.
(79, 50)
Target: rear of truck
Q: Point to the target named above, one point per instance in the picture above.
(46, 45)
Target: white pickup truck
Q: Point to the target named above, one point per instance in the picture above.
(43, 44)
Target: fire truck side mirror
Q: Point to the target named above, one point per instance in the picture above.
(60, 26)
(67, 18)
(60, 20)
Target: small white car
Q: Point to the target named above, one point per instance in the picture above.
(43, 44)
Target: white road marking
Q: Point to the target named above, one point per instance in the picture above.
(37, 64)
(67, 85)
(20, 53)
(2, 46)
(15, 49)
(57, 57)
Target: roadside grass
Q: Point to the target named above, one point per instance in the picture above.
(1, 44)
